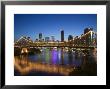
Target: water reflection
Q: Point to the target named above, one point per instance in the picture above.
(55, 62)
(25, 67)
(70, 57)
(62, 57)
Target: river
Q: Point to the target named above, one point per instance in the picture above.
(56, 62)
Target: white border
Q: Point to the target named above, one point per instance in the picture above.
(100, 79)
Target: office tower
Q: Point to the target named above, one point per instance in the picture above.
(52, 38)
(47, 39)
(36, 40)
(40, 36)
(62, 35)
(28, 38)
(70, 38)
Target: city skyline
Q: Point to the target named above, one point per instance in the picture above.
(33, 24)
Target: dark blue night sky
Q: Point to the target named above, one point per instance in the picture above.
(51, 24)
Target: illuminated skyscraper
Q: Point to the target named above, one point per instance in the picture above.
(52, 38)
(47, 39)
(40, 36)
(62, 35)
(70, 38)
(36, 40)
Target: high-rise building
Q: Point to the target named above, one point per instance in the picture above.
(36, 40)
(47, 39)
(52, 38)
(40, 36)
(42, 40)
(62, 35)
(70, 38)
(28, 38)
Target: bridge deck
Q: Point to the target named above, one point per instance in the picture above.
(91, 47)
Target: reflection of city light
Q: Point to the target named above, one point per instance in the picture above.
(26, 51)
(22, 51)
(54, 56)
(28, 66)
(59, 54)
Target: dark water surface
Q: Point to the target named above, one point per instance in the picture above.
(56, 62)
